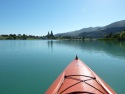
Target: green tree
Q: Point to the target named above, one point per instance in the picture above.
(24, 37)
(110, 35)
(48, 35)
(51, 33)
(122, 35)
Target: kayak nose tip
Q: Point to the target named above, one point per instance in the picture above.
(76, 57)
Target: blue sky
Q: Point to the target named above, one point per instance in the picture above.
(37, 17)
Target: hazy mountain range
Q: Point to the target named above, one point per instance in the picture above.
(97, 32)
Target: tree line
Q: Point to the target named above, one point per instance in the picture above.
(18, 37)
(50, 35)
(25, 37)
(118, 36)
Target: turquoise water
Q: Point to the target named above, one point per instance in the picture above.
(30, 66)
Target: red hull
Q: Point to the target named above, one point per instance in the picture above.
(78, 78)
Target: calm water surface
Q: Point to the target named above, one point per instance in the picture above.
(29, 67)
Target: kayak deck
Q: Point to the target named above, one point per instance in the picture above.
(78, 78)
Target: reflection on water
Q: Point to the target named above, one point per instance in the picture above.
(30, 66)
(114, 48)
(106, 58)
(50, 44)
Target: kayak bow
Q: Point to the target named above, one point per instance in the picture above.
(78, 78)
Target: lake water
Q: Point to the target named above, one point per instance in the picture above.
(30, 66)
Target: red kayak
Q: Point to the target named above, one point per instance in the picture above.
(78, 78)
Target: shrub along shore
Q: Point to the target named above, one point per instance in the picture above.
(110, 36)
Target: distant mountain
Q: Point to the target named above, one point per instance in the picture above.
(97, 32)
